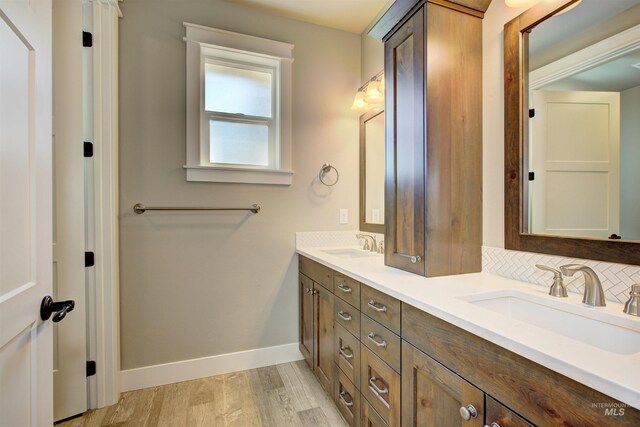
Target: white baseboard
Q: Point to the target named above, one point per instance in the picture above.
(185, 370)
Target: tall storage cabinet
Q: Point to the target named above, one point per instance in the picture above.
(433, 73)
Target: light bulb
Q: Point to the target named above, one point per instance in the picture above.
(359, 102)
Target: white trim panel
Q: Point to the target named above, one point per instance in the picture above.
(243, 176)
(587, 58)
(185, 370)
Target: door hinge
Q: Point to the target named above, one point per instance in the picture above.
(88, 149)
(87, 39)
(532, 176)
(91, 368)
(89, 259)
(532, 113)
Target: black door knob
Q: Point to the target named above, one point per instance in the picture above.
(61, 308)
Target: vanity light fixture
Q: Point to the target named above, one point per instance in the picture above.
(359, 104)
(370, 95)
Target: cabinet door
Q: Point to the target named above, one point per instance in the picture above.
(405, 147)
(432, 395)
(305, 293)
(498, 415)
(323, 343)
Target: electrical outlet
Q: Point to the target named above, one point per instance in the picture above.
(344, 216)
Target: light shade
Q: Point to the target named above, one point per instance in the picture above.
(520, 3)
(373, 95)
(359, 102)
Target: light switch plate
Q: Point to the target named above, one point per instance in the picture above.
(344, 216)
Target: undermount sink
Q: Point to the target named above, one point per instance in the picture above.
(588, 325)
(349, 253)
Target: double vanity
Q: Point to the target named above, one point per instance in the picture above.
(393, 348)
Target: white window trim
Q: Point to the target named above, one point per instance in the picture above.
(199, 38)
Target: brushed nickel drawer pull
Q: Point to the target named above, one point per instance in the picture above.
(344, 288)
(345, 316)
(377, 306)
(343, 352)
(381, 343)
(413, 258)
(374, 386)
(347, 403)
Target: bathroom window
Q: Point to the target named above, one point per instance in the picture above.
(238, 108)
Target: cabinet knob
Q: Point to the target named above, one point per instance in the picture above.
(492, 425)
(468, 412)
(308, 290)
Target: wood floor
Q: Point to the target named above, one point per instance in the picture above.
(281, 395)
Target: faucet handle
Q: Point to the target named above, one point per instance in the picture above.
(381, 247)
(557, 274)
(632, 306)
(558, 289)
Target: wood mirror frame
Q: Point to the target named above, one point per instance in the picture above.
(516, 39)
(364, 225)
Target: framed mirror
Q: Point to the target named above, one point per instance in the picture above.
(572, 134)
(372, 172)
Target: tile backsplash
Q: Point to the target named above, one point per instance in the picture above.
(616, 278)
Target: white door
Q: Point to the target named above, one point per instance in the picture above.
(25, 212)
(69, 337)
(576, 161)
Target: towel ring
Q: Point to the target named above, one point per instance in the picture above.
(326, 168)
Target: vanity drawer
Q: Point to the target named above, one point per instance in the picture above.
(381, 341)
(347, 354)
(347, 398)
(347, 289)
(316, 272)
(380, 385)
(381, 307)
(347, 316)
(370, 417)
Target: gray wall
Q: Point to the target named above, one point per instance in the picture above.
(196, 285)
(630, 163)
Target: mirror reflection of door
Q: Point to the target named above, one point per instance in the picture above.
(584, 136)
(575, 158)
(374, 164)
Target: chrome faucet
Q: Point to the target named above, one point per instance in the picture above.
(593, 293)
(368, 238)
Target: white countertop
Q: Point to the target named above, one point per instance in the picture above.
(616, 375)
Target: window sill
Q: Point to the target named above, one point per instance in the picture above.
(239, 175)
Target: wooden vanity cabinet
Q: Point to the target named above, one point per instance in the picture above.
(498, 415)
(433, 113)
(433, 395)
(305, 309)
(540, 396)
(316, 305)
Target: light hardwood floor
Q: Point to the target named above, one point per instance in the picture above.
(281, 395)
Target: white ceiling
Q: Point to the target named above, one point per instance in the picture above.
(348, 15)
